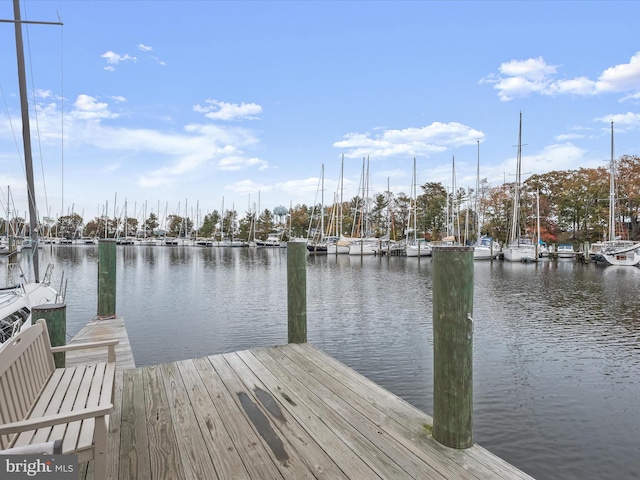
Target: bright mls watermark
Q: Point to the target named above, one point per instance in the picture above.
(52, 467)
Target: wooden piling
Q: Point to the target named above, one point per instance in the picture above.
(297, 291)
(55, 314)
(453, 346)
(106, 277)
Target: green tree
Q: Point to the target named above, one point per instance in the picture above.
(150, 225)
(380, 214)
(179, 227)
(264, 224)
(432, 204)
(69, 226)
(209, 224)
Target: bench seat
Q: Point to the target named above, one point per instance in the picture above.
(40, 403)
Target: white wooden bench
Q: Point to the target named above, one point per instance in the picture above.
(40, 403)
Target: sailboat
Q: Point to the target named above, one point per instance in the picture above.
(518, 248)
(415, 248)
(616, 251)
(317, 244)
(341, 243)
(19, 297)
(363, 244)
(484, 248)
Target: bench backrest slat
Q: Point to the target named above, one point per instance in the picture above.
(26, 363)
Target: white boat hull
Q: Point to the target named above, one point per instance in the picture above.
(418, 250)
(629, 256)
(481, 252)
(362, 248)
(522, 253)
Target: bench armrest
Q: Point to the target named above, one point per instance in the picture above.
(81, 346)
(54, 447)
(58, 419)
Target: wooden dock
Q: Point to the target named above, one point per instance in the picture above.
(287, 412)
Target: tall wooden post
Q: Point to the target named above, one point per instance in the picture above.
(297, 291)
(55, 314)
(106, 277)
(453, 346)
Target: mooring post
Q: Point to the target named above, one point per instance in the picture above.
(106, 277)
(297, 291)
(453, 346)
(55, 314)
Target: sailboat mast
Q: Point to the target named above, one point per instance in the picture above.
(26, 133)
(612, 194)
(476, 200)
(341, 195)
(26, 139)
(515, 221)
(415, 202)
(322, 207)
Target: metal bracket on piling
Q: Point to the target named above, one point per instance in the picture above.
(470, 318)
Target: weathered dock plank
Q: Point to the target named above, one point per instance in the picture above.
(102, 329)
(289, 412)
(97, 330)
(370, 441)
(295, 438)
(132, 460)
(163, 446)
(311, 420)
(476, 460)
(224, 455)
(245, 441)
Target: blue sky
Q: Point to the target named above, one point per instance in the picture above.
(165, 103)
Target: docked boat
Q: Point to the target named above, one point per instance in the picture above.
(272, 240)
(339, 247)
(415, 247)
(519, 248)
(170, 241)
(565, 250)
(364, 246)
(484, 247)
(18, 299)
(616, 251)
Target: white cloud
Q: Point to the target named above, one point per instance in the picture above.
(113, 58)
(155, 157)
(161, 62)
(118, 98)
(568, 136)
(87, 107)
(621, 78)
(560, 156)
(145, 48)
(248, 186)
(422, 141)
(623, 122)
(519, 78)
(238, 162)
(533, 69)
(576, 86)
(216, 110)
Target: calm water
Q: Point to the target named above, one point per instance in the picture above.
(556, 345)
